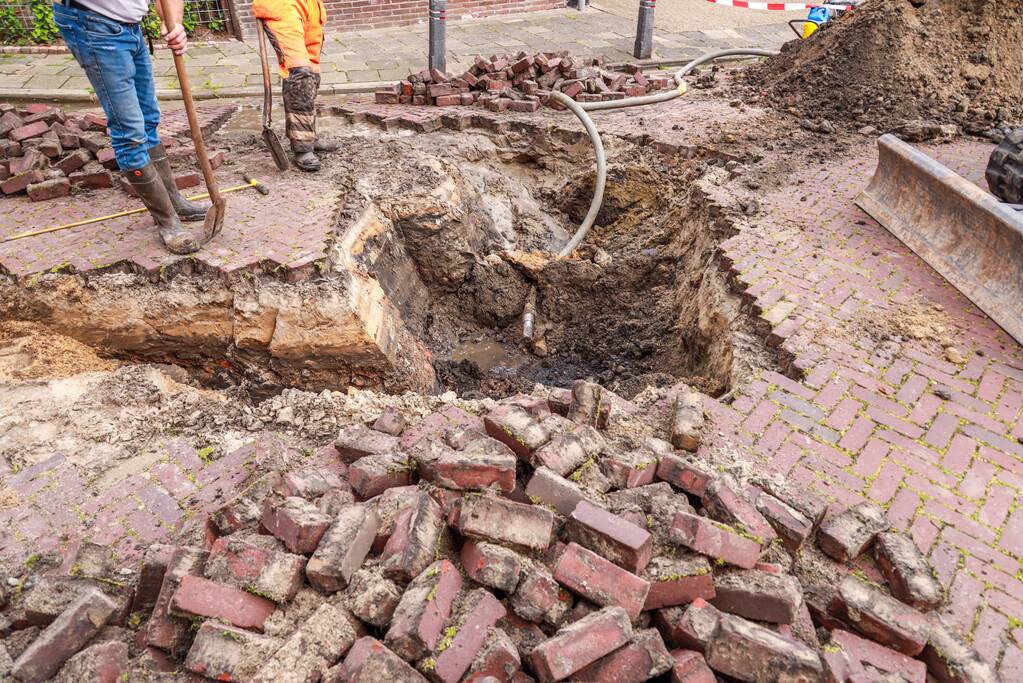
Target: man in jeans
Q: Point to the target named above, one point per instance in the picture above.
(106, 38)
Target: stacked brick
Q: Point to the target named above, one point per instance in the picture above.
(538, 543)
(46, 154)
(523, 83)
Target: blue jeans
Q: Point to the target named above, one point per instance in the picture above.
(116, 60)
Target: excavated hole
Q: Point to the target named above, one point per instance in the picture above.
(456, 228)
(642, 303)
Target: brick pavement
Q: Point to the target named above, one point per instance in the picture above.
(389, 54)
(855, 414)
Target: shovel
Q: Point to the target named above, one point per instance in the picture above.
(269, 136)
(215, 216)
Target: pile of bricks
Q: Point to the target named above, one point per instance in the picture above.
(539, 543)
(45, 153)
(523, 83)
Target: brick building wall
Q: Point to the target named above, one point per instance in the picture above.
(350, 15)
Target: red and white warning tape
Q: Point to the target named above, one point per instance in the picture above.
(780, 6)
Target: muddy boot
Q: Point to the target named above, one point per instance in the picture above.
(299, 90)
(150, 188)
(186, 210)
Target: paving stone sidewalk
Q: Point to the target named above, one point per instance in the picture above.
(231, 69)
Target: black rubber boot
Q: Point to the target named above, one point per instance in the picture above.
(186, 210)
(150, 188)
(299, 90)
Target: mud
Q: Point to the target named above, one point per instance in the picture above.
(894, 63)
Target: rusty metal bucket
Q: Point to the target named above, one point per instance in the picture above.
(970, 238)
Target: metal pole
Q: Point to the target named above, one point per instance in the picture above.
(438, 43)
(581, 4)
(645, 30)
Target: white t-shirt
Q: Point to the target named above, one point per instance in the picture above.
(130, 11)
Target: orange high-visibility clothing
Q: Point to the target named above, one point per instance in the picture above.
(295, 30)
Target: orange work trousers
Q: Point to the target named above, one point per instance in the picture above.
(296, 31)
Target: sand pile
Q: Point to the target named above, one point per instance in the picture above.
(893, 62)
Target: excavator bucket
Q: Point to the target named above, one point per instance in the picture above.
(970, 238)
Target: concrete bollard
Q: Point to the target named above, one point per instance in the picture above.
(645, 30)
(438, 42)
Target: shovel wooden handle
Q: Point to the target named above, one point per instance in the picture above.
(267, 92)
(193, 121)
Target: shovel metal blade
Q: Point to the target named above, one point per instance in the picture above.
(970, 238)
(273, 143)
(214, 220)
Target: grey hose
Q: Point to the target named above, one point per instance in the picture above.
(580, 109)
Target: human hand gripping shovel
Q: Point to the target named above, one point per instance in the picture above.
(280, 157)
(215, 216)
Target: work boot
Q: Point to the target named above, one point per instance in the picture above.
(299, 90)
(186, 210)
(321, 145)
(154, 195)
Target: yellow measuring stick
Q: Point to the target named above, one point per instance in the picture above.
(33, 233)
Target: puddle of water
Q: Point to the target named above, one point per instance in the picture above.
(487, 354)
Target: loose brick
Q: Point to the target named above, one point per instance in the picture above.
(269, 573)
(725, 504)
(309, 483)
(225, 653)
(318, 642)
(846, 535)
(950, 659)
(758, 595)
(297, 523)
(691, 627)
(714, 540)
(610, 536)
(414, 542)
(372, 597)
(546, 487)
(587, 574)
(20, 182)
(563, 454)
(687, 421)
(484, 463)
(539, 598)
(199, 597)
(580, 644)
(359, 441)
(32, 160)
(64, 637)
(369, 661)
(689, 666)
(642, 658)
(907, 571)
(391, 421)
(498, 659)
(101, 663)
(106, 158)
(49, 189)
(27, 132)
(165, 630)
(677, 581)
(792, 526)
(373, 474)
(238, 513)
(506, 522)
(627, 468)
(683, 474)
(155, 563)
(491, 565)
(478, 612)
(749, 652)
(846, 655)
(74, 161)
(342, 549)
(517, 429)
(880, 617)
(524, 106)
(425, 606)
(49, 145)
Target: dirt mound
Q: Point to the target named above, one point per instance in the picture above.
(29, 352)
(891, 62)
